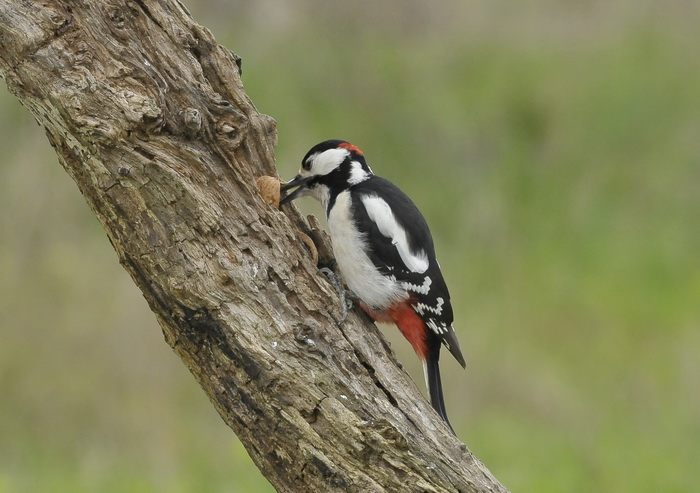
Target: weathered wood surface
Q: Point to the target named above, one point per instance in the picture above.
(148, 115)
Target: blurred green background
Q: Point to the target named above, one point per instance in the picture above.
(554, 148)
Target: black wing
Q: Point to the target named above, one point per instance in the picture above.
(424, 283)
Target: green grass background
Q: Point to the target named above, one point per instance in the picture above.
(554, 148)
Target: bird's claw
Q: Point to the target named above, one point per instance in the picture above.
(346, 296)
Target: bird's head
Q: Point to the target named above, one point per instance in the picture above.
(331, 166)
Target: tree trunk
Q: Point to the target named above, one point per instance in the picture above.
(148, 115)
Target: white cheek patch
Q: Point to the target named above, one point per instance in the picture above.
(327, 161)
(380, 212)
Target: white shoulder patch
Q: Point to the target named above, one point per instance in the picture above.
(349, 246)
(357, 174)
(380, 212)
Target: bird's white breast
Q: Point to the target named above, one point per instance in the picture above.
(358, 271)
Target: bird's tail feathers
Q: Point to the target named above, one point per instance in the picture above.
(431, 369)
(449, 339)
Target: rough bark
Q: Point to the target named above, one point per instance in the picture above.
(148, 115)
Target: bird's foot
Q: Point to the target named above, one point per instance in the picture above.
(346, 296)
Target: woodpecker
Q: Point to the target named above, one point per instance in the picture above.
(384, 252)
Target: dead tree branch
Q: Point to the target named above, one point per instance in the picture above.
(149, 117)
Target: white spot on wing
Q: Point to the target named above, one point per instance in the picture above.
(380, 212)
(421, 308)
(422, 289)
(439, 328)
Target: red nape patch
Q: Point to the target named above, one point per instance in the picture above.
(351, 148)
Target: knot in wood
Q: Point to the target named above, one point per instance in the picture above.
(81, 55)
(140, 108)
(59, 19)
(192, 118)
(304, 334)
(116, 16)
(227, 128)
(185, 38)
(232, 129)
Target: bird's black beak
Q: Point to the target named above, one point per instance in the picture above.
(297, 181)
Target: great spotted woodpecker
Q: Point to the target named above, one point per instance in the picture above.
(384, 252)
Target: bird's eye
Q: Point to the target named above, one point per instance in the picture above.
(306, 165)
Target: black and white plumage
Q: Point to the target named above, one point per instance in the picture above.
(384, 252)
